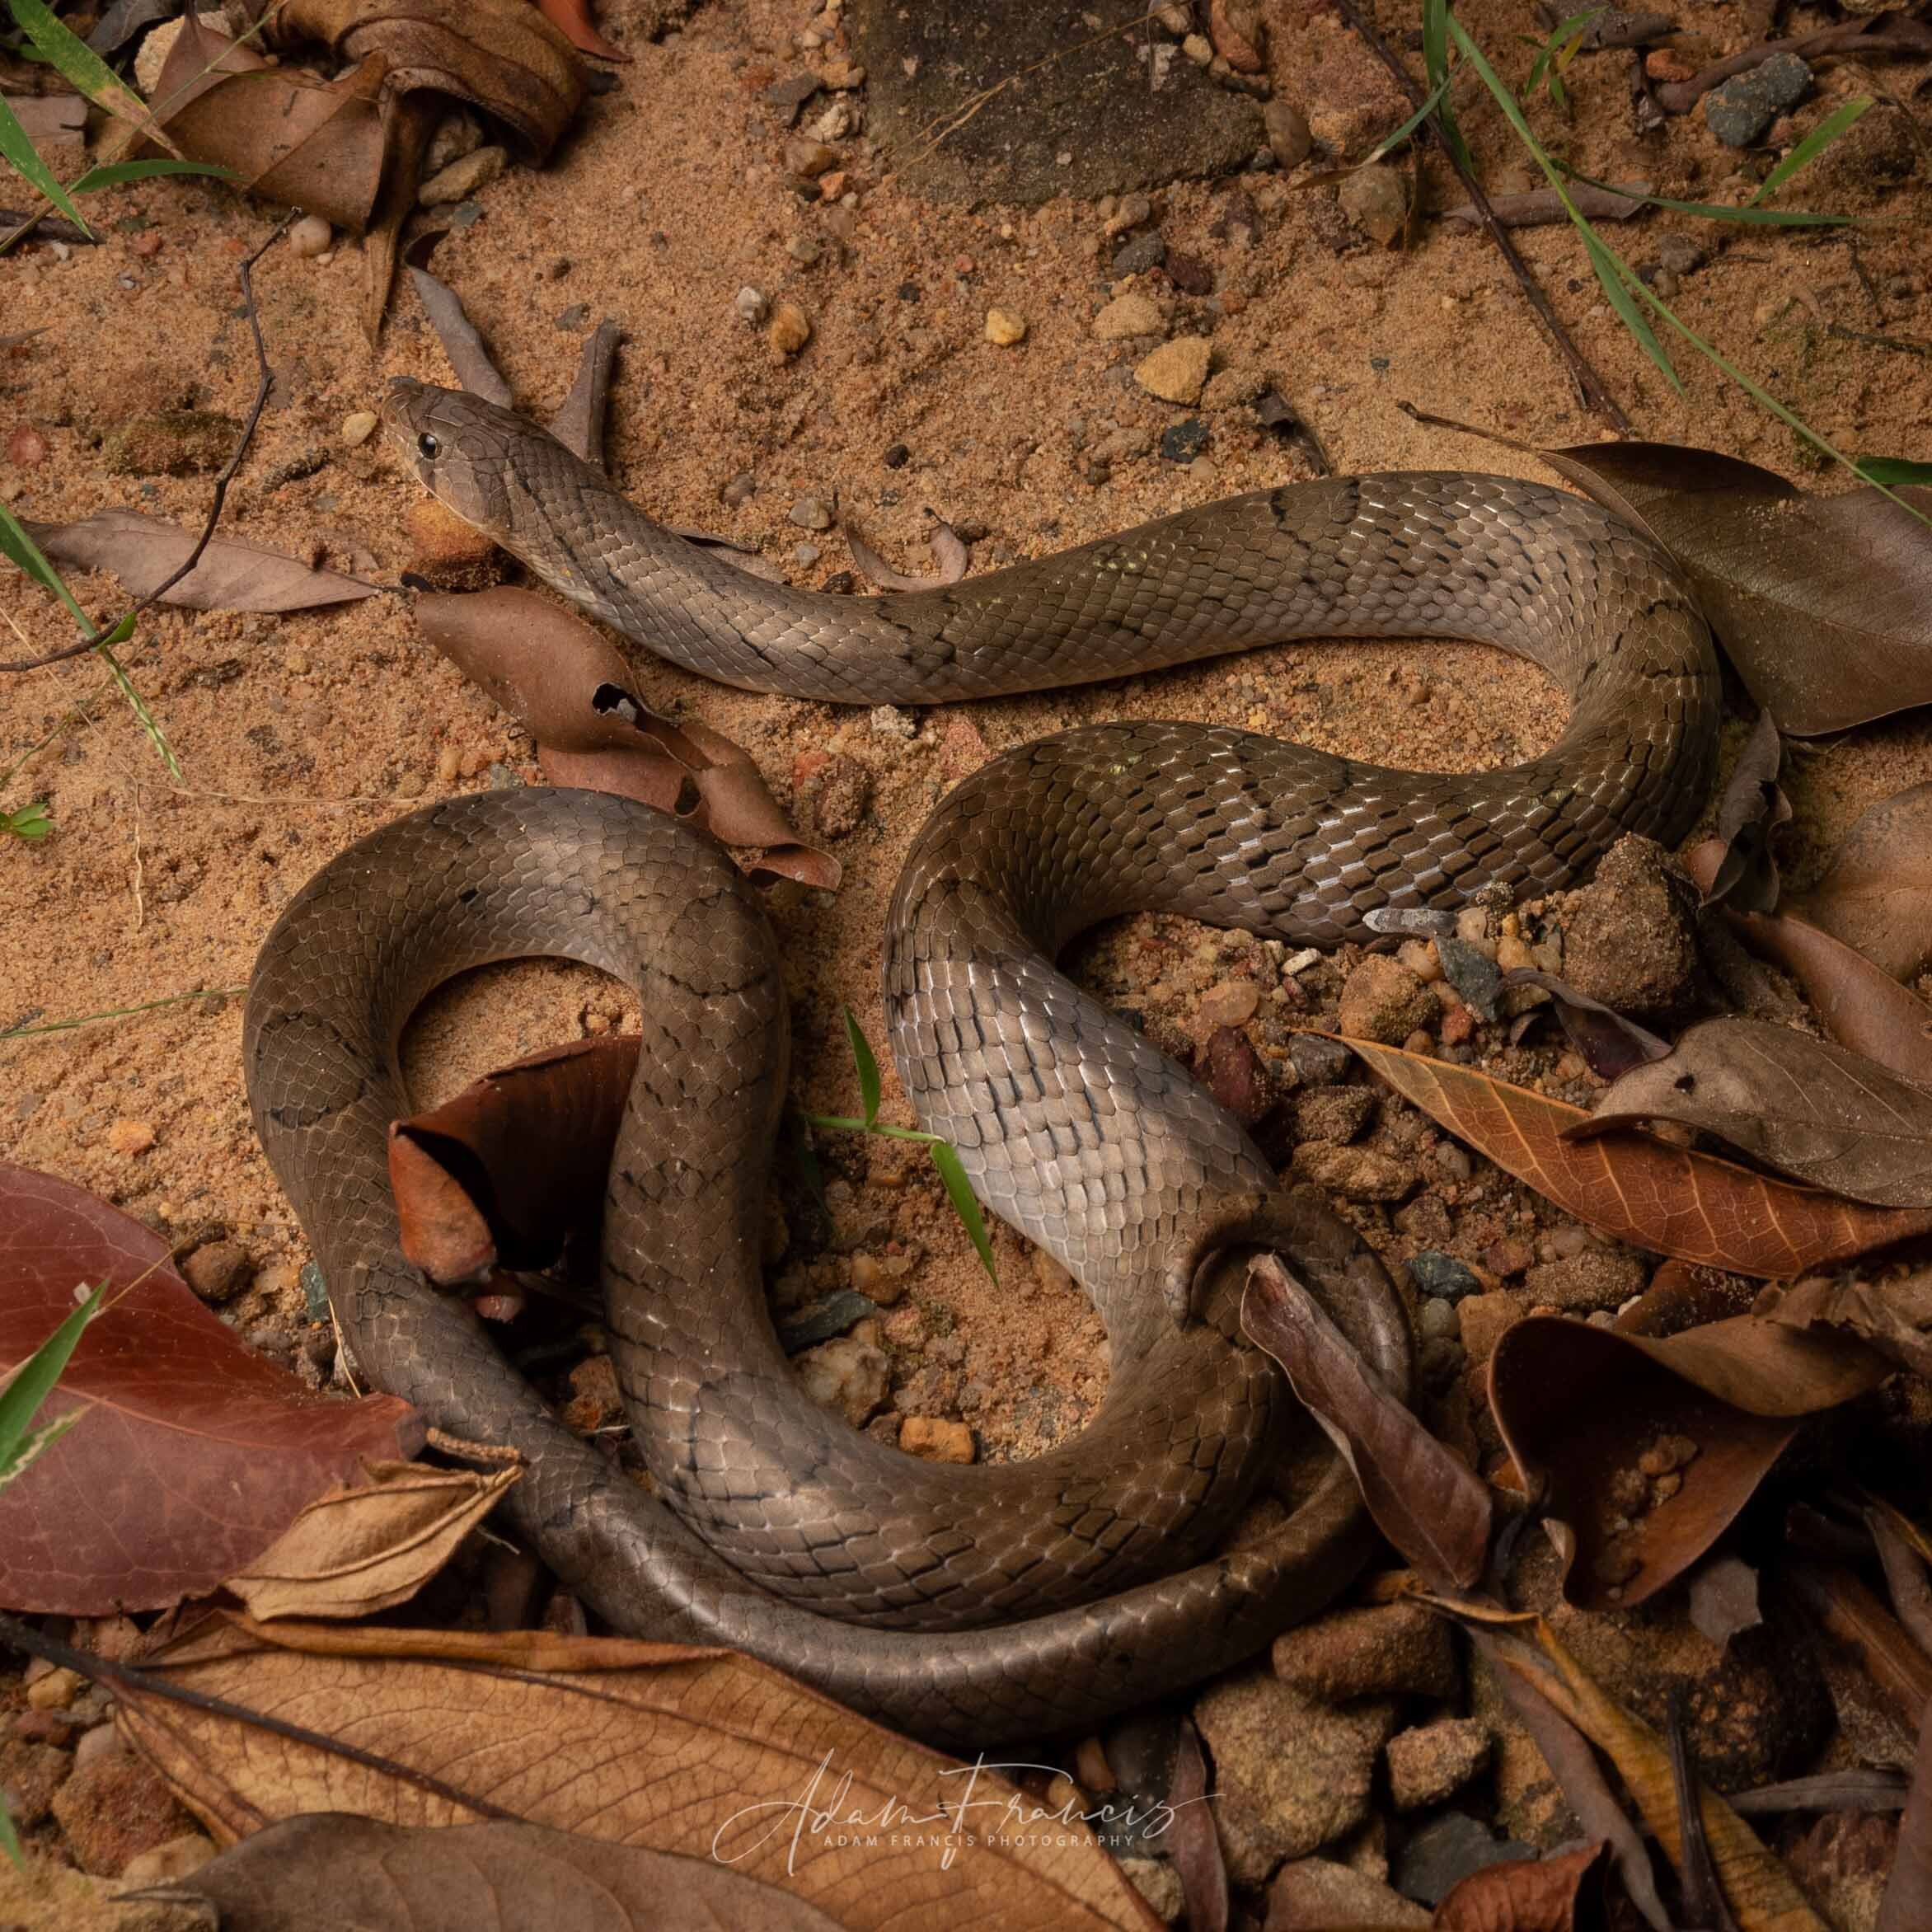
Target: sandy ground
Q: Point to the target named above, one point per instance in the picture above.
(297, 734)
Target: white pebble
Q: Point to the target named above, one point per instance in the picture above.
(311, 236)
(751, 305)
(357, 428)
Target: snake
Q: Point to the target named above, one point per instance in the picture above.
(1160, 1544)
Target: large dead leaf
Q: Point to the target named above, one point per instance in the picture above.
(1807, 1108)
(1877, 895)
(1424, 1498)
(195, 1453)
(1643, 1450)
(569, 686)
(1563, 1892)
(1894, 1312)
(501, 1173)
(701, 1753)
(326, 1870)
(1856, 1001)
(231, 575)
(1668, 1200)
(316, 145)
(366, 1547)
(1760, 1893)
(501, 55)
(1907, 1904)
(1753, 806)
(1820, 601)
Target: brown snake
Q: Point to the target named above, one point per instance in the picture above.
(965, 1604)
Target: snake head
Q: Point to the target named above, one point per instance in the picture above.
(457, 446)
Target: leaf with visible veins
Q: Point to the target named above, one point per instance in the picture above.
(195, 1453)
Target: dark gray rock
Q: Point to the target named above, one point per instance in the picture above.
(1142, 252)
(1440, 1274)
(1089, 103)
(1738, 112)
(824, 1320)
(1184, 441)
(1444, 1852)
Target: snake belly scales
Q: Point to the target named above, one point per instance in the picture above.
(967, 1606)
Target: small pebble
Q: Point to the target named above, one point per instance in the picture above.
(26, 448)
(1288, 138)
(806, 555)
(1176, 371)
(310, 237)
(357, 428)
(751, 305)
(809, 512)
(936, 1439)
(1005, 327)
(1128, 316)
(889, 721)
(1442, 1276)
(130, 1138)
(790, 329)
(463, 178)
(1183, 442)
(896, 456)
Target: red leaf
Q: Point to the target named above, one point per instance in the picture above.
(196, 1452)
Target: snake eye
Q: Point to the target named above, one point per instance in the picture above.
(428, 445)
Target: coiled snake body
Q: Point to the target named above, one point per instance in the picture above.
(965, 1604)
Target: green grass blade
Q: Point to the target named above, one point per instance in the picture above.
(117, 174)
(945, 1157)
(1717, 211)
(77, 61)
(1610, 272)
(21, 548)
(870, 1084)
(30, 1384)
(1438, 95)
(211, 993)
(1435, 57)
(37, 1440)
(22, 152)
(10, 1839)
(1892, 470)
(138, 705)
(1812, 146)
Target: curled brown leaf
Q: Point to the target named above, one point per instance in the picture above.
(1563, 1892)
(1752, 807)
(1892, 1312)
(502, 1173)
(949, 556)
(1643, 1450)
(1877, 896)
(1424, 1498)
(569, 686)
(1807, 1108)
(1669, 1199)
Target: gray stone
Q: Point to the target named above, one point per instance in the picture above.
(1472, 972)
(1184, 441)
(1444, 1852)
(824, 1320)
(1136, 256)
(1067, 119)
(1437, 1273)
(1739, 112)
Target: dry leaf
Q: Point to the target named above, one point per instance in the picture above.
(1542, 207)
(1581, 1409)
(1877, 895)
(1893, 1313)
(502, 1172)
(1561, 1892)
(1195, 1846)
(1610, 1044)
(1423, 1497)
(1752, 807)
(569, 686)
(1857, 1002)
(949, 556)
(196, 1452)
(469, 355)
(501, 55)
(366, 1547)
(1807, 1108)
(702, 1753)
(1907, 1904)
(1860, 1630)
(1759, 1890)
(1668, 1200)
(231, 576)
(572, 19)
(1819, 601)
(1902, 1552)
(327, 1870)
(310, 144)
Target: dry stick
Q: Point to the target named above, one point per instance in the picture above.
(264, 381)
(1590, 385)
(45, 226)
(1908, 38)
(130, 1683)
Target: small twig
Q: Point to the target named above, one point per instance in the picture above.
(265, 382)
(130, 1684)
(45, 226)
(1704, 1904)
(1590, 385)
(1908, 38)
(1899, 344)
